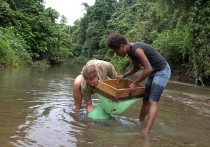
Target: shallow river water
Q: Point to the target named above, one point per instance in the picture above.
(36, 109)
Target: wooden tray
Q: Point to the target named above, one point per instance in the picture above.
(119, 91)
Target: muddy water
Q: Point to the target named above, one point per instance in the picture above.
(36, 109)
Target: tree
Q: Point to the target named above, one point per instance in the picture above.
(63, 19)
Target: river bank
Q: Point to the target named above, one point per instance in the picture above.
(180, 75)
(177, 75)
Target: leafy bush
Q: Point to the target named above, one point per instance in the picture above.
(17, 46)
(120, 63)
(173, 45)
(58, 55)
(7, 55)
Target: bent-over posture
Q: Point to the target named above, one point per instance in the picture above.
(85, 84)
(156, 72)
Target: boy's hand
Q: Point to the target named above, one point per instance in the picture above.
(76, 109)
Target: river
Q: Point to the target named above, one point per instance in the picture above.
(36, 109)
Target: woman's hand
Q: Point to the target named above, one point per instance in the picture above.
(133, 87)
(119, 78)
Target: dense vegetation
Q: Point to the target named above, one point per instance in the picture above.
(179, 29)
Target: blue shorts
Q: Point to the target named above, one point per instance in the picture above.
(156, 83)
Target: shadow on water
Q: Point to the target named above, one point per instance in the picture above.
(36, 109)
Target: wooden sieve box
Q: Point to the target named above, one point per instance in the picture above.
(119, 91)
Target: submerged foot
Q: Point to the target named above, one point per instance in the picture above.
(144, 133)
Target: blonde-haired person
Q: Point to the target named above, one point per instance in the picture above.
(85, 84)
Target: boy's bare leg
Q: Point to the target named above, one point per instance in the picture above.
(77, 92)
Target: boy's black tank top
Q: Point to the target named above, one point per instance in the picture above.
(155, 58)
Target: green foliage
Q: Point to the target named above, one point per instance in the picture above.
(89, 31)
(59, 55)
(160, 23)
(52, 14)
(199, 24)
(120, 63)
(63, 19)
(173, 45)
(15, 48)
(6, 14)
(100, 54)
(36, 28)
(58, 45)
(7, 55)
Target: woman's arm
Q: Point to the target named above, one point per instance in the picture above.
(135, 68)
(139, 53)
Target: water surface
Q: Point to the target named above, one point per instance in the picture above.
(36, 109)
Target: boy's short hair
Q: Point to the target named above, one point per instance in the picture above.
(115, 40)
(89, 72)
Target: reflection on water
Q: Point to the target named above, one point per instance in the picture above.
(36, 109)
